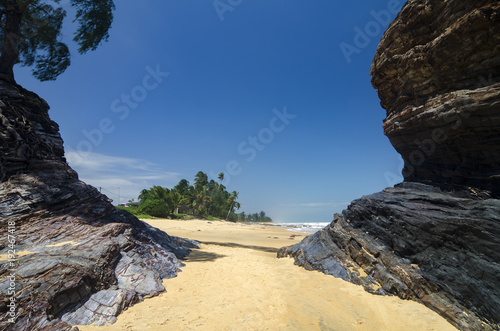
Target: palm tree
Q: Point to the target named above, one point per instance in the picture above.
(144, 195)
(212, 187)
(220, 177)
(177, 199)
(182, 187)
(232, 203)
(188, 201)
(262, 216)
(163, 194)
(200, 199)
(200, 179)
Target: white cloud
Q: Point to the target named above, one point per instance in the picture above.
(120, 178)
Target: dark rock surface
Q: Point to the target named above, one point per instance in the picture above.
(81, 261)
(419, 243)
(437, 73)
(436, 237)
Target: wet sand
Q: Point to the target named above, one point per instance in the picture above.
(235, 282)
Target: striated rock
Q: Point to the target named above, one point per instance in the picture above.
(100, 308)
(79, 259)
(419, 243)
(437, 73)
(436, 237)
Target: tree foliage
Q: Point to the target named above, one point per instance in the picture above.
(154, 208)
(30, 33)
(204, 198)
(256, 217)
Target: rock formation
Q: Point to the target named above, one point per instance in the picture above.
(437, 73)
(436, 237)
(79, 259)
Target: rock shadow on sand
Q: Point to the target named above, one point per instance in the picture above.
(235, 245)
(201, 256)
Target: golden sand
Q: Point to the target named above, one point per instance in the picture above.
(235, 282)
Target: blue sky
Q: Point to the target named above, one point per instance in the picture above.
(276, 94)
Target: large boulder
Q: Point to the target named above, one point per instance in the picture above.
(418, 242)
(79, 259)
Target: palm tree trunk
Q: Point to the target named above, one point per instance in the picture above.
(229, 212)
(11, 31)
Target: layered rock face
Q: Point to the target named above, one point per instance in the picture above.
(437, 73)
(418, 242)
(79, 259)
(436, 237)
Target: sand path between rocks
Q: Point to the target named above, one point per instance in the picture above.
(235, 282)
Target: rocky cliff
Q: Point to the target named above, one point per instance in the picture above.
(79, 260)
(437, 73)
(436, 237)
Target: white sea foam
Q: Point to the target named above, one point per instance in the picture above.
(310, 227)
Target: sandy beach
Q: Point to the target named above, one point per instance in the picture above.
(235, 282)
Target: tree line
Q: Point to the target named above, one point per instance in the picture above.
(202, 199)
(256, 217)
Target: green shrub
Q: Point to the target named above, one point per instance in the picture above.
(154, 208)
(134, 210)
(182, 216)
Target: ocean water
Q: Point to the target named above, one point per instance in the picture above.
(309, 227)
